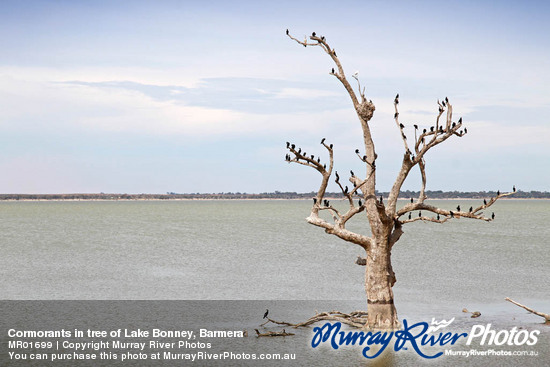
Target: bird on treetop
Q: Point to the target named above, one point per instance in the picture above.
(265, 314)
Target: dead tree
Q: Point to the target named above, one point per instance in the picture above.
(385, 220)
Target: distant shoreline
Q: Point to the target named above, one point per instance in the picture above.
(406, 195)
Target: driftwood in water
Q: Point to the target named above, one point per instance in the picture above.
(545, 315)
(273, 333)
(357, 319)
(474, 314)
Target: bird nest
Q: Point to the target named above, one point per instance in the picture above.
(365, 110)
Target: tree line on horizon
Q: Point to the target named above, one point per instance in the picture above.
(437, 194)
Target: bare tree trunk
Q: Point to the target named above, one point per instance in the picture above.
(379, 280)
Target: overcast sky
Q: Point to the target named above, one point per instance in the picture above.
(189, 96)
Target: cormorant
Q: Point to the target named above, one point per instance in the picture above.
(293, 146)
(318, 160)
(322, 140)
(441, 129)
(328, 203)
(287, 145)
(484, 202)
(404, 136)
(447, 100)
(396, 100)
(431, 128)
(401, 126)
(460, 120)
(440, 109)
(465, 131)
(287, 31)
(346, 190)
(419, 214)
(337, 176)
(458, 208)
(493, 216)
(514, 188)
(360, 202)
(313, 34)
(299, 150)
(395, 115)
(325, 166)
(334, 52)
(415, 127)
(412, 158)
(325, 202)
(381, 200)
(332, 70)
(412, 200)
(410, 215)
(314, 201)
(471, 209)
(312, 157)
(364, 158)
(323, 38)
(498, 192)
(265, 314)
(438, 217)
(330, 146)
(424, 131)
(352, 174)
(453, 125)
(356, 151)
(452, 214)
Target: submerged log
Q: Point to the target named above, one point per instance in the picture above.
(545, 315)
(272, 333)
(357, 319)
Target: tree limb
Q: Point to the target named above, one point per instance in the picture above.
(545, 315)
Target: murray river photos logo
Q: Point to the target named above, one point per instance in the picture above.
(420, 337)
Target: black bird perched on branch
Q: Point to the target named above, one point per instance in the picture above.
(431, 128)
(299, 150)
(360, 202)
(325, 166)
(471, 209)
(337, 176)
(322, 140)
(453, 125)
(438, 216)
(493, 216)
(401, 126)
(265, 314)
(332, 70)
(452, 214)
(356, 151)
(410, 215)
(287, 31)
(346, 190)
(364, 158)
(424, 131)
(330, 146)
(325, 202)
(352, 174)
(381, 200)
(498, 192)
(412, 200)
(318, 160)
(419, 214)
(465, 131)
(460, 120)
(314, 201)
(293, 146)
(447, 100)
(514, 188)
(287, 144)
(396, 100)
(395, 115)
(415, 127)
(458, 208)
(484, 202)
(313, 34)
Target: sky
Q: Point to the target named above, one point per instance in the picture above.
(189, 96)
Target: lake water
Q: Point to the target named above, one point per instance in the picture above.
(264, 250)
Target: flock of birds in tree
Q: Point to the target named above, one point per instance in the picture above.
(433, 130)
